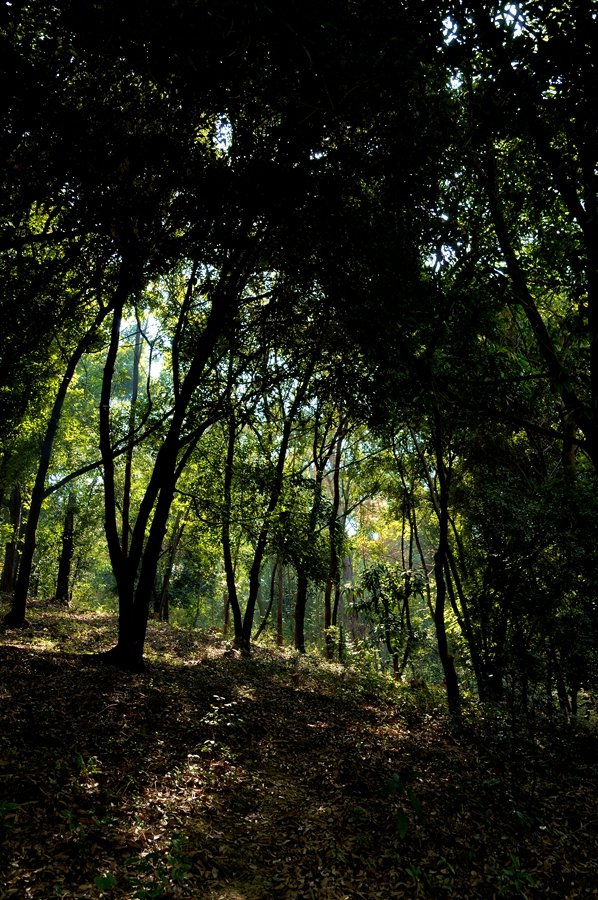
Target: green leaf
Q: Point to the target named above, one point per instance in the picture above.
(392, 786)
(402, 822)
(104, 882)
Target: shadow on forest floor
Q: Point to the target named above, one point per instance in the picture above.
(214, 776)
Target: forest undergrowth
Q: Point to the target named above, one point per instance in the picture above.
(211, 775)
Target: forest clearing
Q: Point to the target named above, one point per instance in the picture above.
(213, 775)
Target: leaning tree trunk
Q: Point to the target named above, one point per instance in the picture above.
(440, 561)
(126, 508)
(135, 575)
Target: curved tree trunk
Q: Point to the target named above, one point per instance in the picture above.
(135, 575)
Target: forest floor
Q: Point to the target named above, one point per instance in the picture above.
(215, 776)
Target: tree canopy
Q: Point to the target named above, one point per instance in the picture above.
(299, 307)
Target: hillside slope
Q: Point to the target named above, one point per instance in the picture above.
(211, 775)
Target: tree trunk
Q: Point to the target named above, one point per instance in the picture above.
(440, 557)
(226, 606)
(300, 606)
(66, 554)
(11, 552)
(135, 575)
(270, 604)
(279, 634)
(330, 614)
(463, 618)
(328, 636)
(177, 533)
(229, 568)
(129, 456)
(350, 619)
(254, 574)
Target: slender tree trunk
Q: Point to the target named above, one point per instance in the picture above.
(351, 622)
(270, 604)
(561, 689)
(279, 632)
(302, 579)
(388, 638)
(328, 637)
(464, 619)
(413, 517)
(66, 554)
(177, 533)
(226, 607)
(129, 456)
(330, 614)
(300, 606)
(254, 574)
(232, 600)
(11, 551)
(446, 658)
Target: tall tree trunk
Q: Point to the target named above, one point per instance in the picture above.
(350, 618)
(332, 583)
(163, 603)
(254, 574)
(300, 606)
(440, 557)
(464, 619)
(66, 553)
(279, 634)
(328, 635)
(226, 608)
(11, 551)
(270, 603)
(129, 455)
(229, 568)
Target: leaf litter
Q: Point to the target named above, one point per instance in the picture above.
(211, 775)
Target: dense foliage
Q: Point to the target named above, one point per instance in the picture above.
(300, 337)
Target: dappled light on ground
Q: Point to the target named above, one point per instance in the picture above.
(212, 775)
